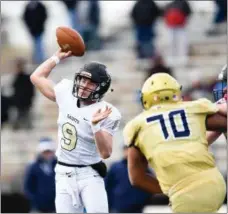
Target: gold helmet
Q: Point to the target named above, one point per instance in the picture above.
(158, 88)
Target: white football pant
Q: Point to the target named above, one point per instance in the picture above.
(79, 188)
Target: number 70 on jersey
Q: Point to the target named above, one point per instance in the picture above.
(171, 122)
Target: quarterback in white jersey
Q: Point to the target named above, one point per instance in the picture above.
(220, 96)
(86, 125)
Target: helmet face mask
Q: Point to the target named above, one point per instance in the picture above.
(98, 82)
(85, 88)
(220, 88)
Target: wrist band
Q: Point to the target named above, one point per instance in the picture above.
(96, 128)
(55, 59)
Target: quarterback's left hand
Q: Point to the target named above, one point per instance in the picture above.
(100, 115)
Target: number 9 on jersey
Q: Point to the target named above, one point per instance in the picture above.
(69, 140)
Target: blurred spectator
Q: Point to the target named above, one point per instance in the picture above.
(91, 29)
(71, 6)
(158, 67)
(144, 14)
(122, 196)
(220, 19)
(34, 16)
(39, 183)
(5, 105)
(22, 97)
(176, 15)
(4, 33)
(200, 89)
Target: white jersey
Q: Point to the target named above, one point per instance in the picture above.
(76, 143)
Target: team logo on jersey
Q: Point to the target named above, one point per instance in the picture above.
(72, 118)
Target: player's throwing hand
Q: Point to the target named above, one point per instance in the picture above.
(99, 115)
(62, 55)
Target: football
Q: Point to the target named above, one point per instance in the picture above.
(70, 40)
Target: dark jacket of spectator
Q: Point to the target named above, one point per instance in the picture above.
(23, 88)
(5, 105)
(70, 4)
(221, 3)
(23, 91)
(39, 185)
(221, 13)
(145, 12)
(122, 196)
(35, 15)
(94, 13)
